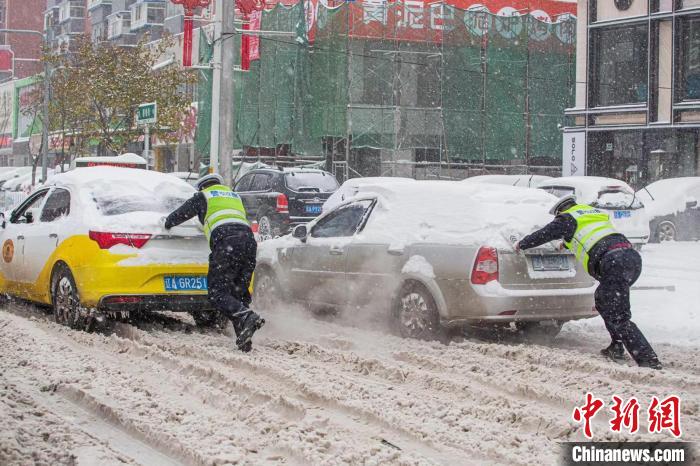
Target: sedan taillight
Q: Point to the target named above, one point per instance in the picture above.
(106, 240)
(282, 204)
(486, 266)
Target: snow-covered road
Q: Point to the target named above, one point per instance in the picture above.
(315, 392)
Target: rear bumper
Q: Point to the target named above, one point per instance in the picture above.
(493, 303)
(177, 303)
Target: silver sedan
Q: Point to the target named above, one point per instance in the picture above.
(429, 255)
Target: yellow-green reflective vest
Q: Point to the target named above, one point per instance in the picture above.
(223, 206)
(592, 225)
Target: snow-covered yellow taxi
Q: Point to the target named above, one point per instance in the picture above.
(90, 244)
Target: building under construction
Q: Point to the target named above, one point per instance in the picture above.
(412, 88)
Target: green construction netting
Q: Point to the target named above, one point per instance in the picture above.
(204, 94)
(486, 89)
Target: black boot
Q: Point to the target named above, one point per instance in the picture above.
(615, 352)
(252, 324)
(653, 363)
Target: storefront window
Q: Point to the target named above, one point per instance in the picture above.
(689, 80)
(619, 67)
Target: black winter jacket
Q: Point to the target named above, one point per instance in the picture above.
(563, 227)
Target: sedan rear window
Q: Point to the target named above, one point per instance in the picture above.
(559, 191)
(320, 182)
(126, 198)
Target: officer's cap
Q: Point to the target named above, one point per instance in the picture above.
(563, 204)
(207, 180)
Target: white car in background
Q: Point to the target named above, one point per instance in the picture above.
(190, 177)
(672, 205)
(15, 172)
(616, 197)
(523, 181)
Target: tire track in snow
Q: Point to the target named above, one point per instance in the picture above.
(376, 452)
(300, 395)
(459, 416)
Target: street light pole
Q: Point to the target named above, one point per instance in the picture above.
(45, 103)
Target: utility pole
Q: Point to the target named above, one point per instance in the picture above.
(226, 105)
(45, 103)
(216, 87)
(45, 123)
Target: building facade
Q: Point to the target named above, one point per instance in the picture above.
(637, 112)
(424, 89)
(18, 14)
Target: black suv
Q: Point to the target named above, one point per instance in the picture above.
(279, 199)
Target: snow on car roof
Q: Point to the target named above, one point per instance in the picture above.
(670, 195)
(512, 180)
(452, 212)
(124, 199)
(350, 188)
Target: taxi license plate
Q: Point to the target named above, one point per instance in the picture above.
(550, 263)
(185, 283)
(313, 209)
(622, 214)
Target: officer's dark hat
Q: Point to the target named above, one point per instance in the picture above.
(562, 204)
(207, 180)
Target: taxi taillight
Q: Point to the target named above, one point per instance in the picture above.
(105, 240)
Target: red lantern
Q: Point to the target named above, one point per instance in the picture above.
(190, 6)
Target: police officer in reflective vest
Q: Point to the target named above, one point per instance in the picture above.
(233, 249)
(609, 258)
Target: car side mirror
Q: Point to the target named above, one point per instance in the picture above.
(300, 232)
(691, 204)
(29, 216)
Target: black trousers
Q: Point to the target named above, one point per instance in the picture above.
(231, 265)
(617, 271)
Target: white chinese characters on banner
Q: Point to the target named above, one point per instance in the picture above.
(477, 19)
(442, 17)
(412, 15)
(375, 10)
(508, 22)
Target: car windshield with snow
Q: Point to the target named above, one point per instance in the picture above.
(90, 242)
(626, 209)
(428, 255)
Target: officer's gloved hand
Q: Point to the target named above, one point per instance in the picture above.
(516, 248)
(163, 221)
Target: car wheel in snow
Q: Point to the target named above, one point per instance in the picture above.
(66, 301)
(265, 229)
(415, 313)
(538, 331)
(265, 289)
(666, 231)
(210, 319)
